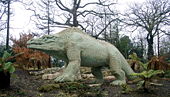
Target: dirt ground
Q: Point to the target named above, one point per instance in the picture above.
(25, 85)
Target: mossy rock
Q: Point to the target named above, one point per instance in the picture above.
(49, 87)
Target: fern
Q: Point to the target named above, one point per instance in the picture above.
(145, 77)
(135, 62)
(5, 65)
(158, 63)
(30, 58)
(148, 73)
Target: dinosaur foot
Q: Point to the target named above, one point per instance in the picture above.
(118, 82)
(67, 78)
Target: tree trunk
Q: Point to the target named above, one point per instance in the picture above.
(150, 47)
(75, 22)
(74, 12)
(49, 62)
(8, 21)
(142, 49)
(158, 44)
(48, 15)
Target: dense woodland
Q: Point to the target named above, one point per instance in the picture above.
(141, 32)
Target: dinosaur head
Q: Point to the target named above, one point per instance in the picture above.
(46, 43)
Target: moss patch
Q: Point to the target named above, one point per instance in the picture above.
(49, 87)
(67, 86)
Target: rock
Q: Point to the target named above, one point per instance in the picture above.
(110, 77)
(87, 76)
(45, 71)
(94, 85)
(85, 70)
(51, 76)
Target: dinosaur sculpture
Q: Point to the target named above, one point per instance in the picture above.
(77, 49)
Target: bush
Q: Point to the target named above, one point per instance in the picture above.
(5, 65)
(30, 58)
(148, 71)
(2, 49)
(146, 77)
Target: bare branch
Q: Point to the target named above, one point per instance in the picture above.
(62, 6)
(96, 36)
(87, 12)
(96, 3)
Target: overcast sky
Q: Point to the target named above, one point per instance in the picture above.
(20, 21)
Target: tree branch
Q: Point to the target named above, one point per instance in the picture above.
(62, 7)
(96, 36)
(96, 3)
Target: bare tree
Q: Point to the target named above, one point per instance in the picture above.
(3, 12)
(152, 16)
(5, 18)
(79, 12)
(43, 14)
(8, 24)
(101, 23)
(75, 13)
(165, 46)
(46, 17)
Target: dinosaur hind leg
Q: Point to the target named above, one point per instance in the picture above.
(117, 72)
(96, 71)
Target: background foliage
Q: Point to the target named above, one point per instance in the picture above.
(30, 58)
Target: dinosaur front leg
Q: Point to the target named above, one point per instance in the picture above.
(115, 66)
(72, 71)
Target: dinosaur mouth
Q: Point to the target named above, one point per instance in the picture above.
(29, 44)
(34, 45)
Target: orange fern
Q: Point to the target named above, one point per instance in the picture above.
(158, 63)
(30, 58)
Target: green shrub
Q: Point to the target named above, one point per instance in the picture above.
(2, 49)
(126, 89)
(146, 77)
(4, 64)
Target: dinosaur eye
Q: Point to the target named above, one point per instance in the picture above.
(44, 38)
(50, 36)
